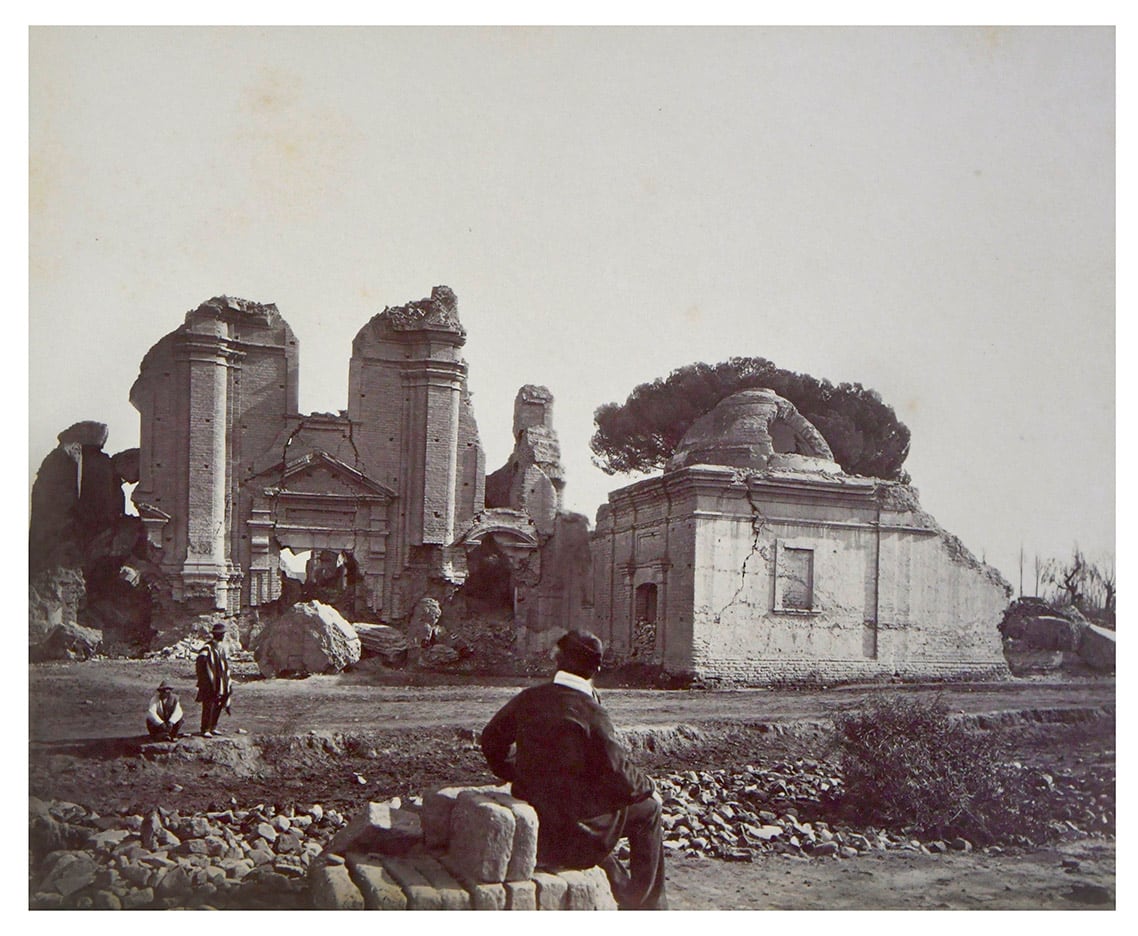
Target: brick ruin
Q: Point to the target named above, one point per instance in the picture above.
(390, 493)
(751, 559)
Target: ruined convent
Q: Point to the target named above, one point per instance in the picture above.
(751, 559)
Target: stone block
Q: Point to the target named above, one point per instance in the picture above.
(521, 895)
(435, 815)
(482, 837)
(588, 890)
(454, 895)
(421, 893)
(71, 872)
(332, 888)
(135, 899)
(552, 891)
(482, 896)
(378, 828)
(523, 854)
(380, 890)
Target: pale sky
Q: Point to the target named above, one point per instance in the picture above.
(926, 211)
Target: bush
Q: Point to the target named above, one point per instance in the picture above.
(908, 764)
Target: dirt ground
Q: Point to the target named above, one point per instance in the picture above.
(344, 740)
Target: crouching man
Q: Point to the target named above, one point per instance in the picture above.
(556, 744)
(164, 717)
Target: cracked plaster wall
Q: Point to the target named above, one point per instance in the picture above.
(709, 537)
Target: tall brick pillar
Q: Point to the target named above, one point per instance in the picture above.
(436, 388)
(206, 569)
(213, 397)
(414, 431)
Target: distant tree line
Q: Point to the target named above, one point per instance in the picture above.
(641, 434)
(1079, 583)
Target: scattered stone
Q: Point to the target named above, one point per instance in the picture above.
(70, 872)
(143, 897)
(381, 828)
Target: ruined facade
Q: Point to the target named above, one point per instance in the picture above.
(231, 472)
(754, 559)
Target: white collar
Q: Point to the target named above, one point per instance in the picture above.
(573, 681)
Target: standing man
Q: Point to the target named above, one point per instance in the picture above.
(568, 764)
(164, 717)
(214, 687)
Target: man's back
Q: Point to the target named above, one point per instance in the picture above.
(568, 764)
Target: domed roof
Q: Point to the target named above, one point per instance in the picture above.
(755, 429)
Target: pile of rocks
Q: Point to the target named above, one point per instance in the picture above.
(469, 847)
(737, 814)
(250, 858)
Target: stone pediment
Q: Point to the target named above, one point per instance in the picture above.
(319, 474)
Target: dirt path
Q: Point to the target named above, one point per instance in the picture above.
(1037, 880)
(107, 699)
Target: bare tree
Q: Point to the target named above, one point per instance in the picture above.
(1088, 586)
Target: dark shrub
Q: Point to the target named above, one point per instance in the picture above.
(909, 764)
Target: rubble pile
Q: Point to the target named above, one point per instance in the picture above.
(257, 857)
(735, 815)
(265, 856)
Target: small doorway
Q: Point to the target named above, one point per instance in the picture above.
(643, 643)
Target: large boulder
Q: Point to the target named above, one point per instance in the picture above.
(440, 655)
(54, 598)
(1097, 648)
(308, 638)
(69, 642)
(387, 643)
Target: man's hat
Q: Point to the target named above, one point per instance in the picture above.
(165, 685)
(583, 646)
(219, 629)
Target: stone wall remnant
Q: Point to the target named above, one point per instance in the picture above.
(533, 478)
(230, 472)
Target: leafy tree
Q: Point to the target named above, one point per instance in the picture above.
(642, 433)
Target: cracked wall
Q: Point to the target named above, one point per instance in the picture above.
(890, 592)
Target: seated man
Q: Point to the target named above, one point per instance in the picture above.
(164, 717)
(569, 766)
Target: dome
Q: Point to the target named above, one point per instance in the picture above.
(755, 429)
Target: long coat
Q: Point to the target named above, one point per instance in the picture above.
(570, 767)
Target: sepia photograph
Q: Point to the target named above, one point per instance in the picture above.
(571, 467)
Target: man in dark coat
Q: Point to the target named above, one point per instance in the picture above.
(214, 687)
(567, 763)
